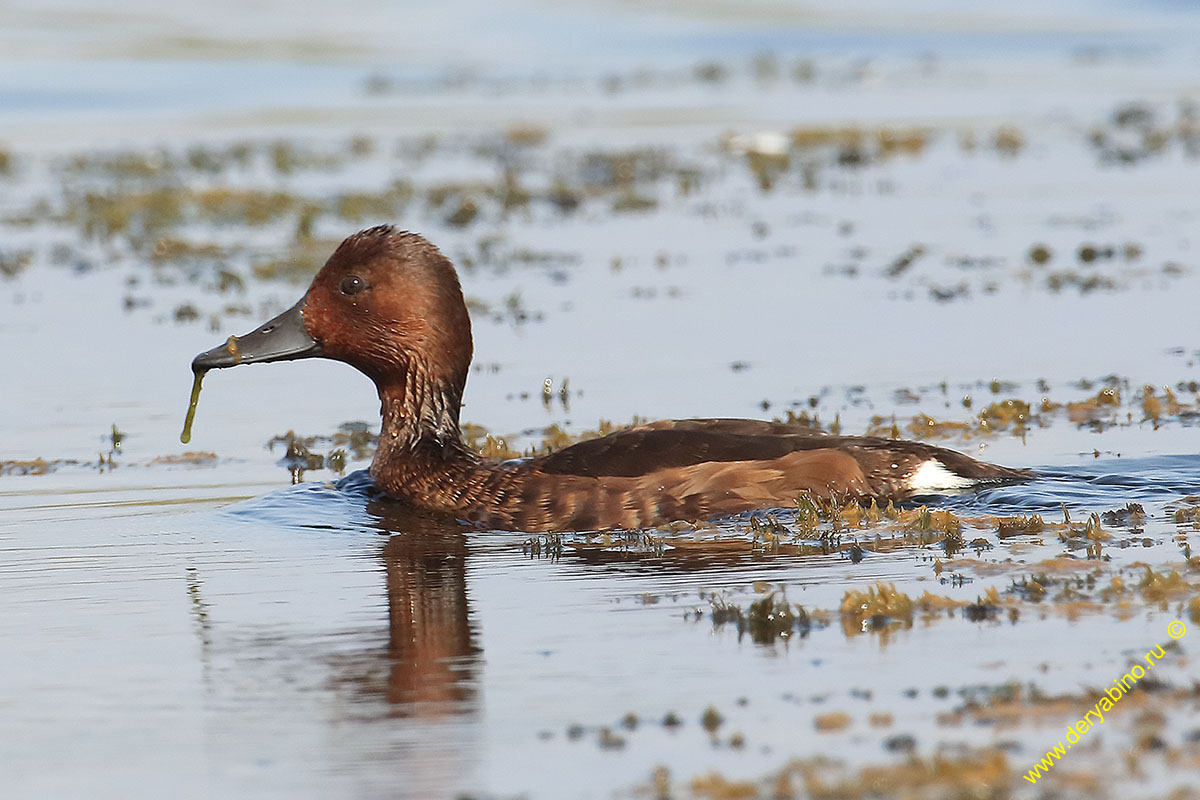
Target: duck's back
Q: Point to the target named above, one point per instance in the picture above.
(688, 469)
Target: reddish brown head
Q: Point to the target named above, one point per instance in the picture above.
(388, 303)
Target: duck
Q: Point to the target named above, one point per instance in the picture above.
(389, 304)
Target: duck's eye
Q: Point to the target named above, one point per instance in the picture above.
(351, 285)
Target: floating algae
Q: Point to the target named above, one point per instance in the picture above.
(186, 435)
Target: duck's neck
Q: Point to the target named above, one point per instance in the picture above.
(420, 423)
(422, 457)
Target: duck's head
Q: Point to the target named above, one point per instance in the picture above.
(386, 302)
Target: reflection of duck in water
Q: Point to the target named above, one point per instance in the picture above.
(432, 655)
(430, 663)
(389, 303)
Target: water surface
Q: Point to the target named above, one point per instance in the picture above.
(921, 219)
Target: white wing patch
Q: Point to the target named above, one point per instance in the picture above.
(932, 476)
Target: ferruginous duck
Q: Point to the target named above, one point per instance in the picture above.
(389, 304)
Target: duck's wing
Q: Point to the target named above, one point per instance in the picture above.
(888, 466)
(643, 450)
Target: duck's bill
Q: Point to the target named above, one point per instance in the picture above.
(281, 339)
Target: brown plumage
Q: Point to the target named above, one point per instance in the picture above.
(389, 303)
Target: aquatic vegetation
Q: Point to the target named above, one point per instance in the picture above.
(144, 215)
(13, 263)
(1004, 414)
(1020, 525)
(1090, 409)
(298, 264)
(833, 721)
(922, 520)
(1040, 254)
(766, 620)
(191, 458)
(1107, 408)
(31, 466)
(949, 773)
(904, 261)
(608, 740)
(555, 438)
(352, 440)
(959, 771)
(858, 145)
(1008, 141)
(492, 447)
(360, 207)
(934, 603)
(1131, 516)
(883, 427)
(881, 600)
(631, 201)
(197, 379)
(711, 719)
(297, 458)
(800, 418)
(1154, 408)
(926, 427)
(1158, 587)
(1188, 515)
(547, 545)
(1136, 132)
(984, 608)
(1085, 283)
(178, 208)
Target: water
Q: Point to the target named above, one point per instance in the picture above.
(179, 619)
(317, 641)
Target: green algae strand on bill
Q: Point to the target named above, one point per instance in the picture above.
(198, 378)
(231, 347)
